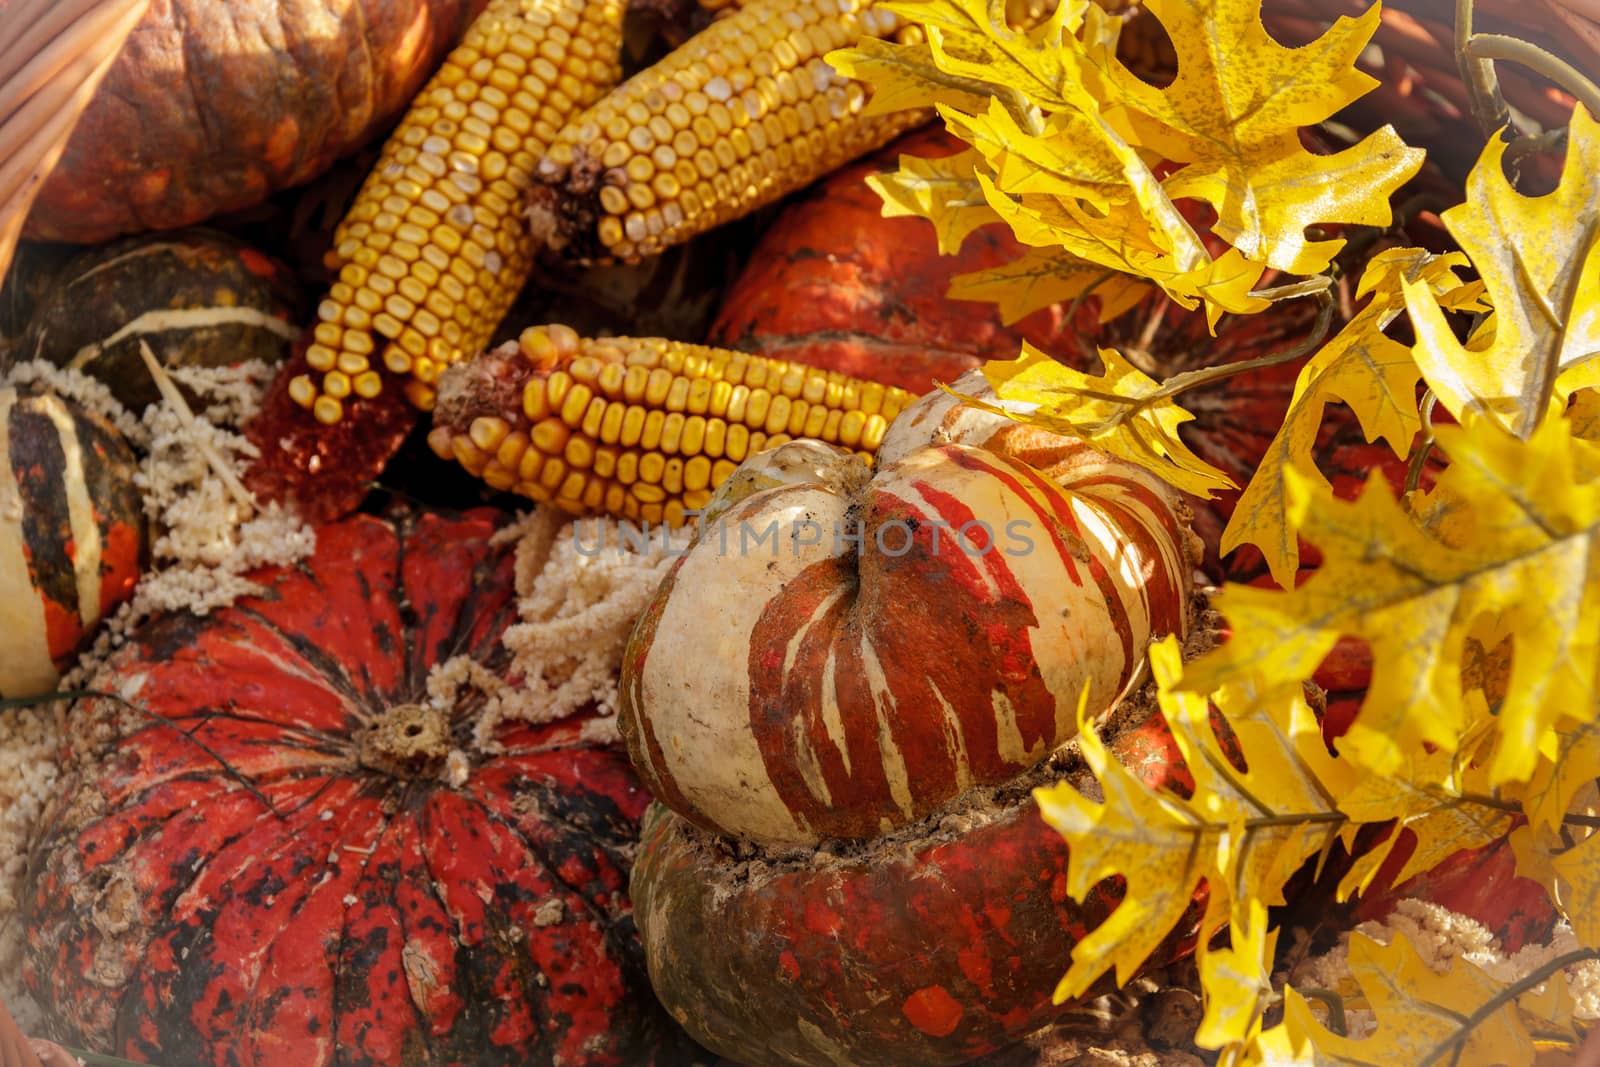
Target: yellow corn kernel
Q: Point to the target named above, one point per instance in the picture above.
(590, 448)
(745, 112)
(436, 246)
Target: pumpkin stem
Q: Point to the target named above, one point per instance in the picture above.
(407, 739)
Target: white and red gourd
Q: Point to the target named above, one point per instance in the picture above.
(823, 679)
(72, 533)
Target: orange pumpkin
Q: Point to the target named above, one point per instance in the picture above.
(835, 284)
(212, 106)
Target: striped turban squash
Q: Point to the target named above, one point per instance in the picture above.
(888, 639)
(275, 849)
(72, 534)
(859, 672)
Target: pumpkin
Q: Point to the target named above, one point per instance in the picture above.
(211, 106)
(834, 284)
(870, 686)
(72, 534)
(197, 298)
(935, 946)
(273, 849)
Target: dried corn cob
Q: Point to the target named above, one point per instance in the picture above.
(639, 427)
(434, 251)
(744, 112)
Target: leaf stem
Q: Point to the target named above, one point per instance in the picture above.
(1514, 808)
(1484, 47)
(1335, 1005)
(1077, 301)
(1483, 87)
(1318, 283)
(1510, 993)
(1534, 143)
(1180, 383)
(1128, 406)
(1419, 458)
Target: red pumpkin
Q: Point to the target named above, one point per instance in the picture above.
(72, 534)
(835, 284)
(393, 905)
(211, 106)
(930, 948)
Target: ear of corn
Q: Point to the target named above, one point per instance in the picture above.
(640, 428)
(435, 249)
(743, 113)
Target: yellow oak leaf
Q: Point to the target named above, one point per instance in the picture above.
(1424, 1017)
(1585, 414)
(1539, 258)
(1045, 64)
(1066, 159)
(1119, 411)
(1243, 833)
(1043, 276)
(1532, 557)
(903, 77)
(1434, 796)
(943, 191)
(1579, 868)
(1362, 367)
(1123, 240)
(1236, 982)
(1558, 779)
(1233, 115)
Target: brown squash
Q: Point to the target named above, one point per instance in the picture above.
(215, 104)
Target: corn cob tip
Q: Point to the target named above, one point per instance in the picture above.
(743, 113)
(640, 428)
(563, 209)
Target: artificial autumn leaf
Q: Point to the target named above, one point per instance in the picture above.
(1362, 367)
(1423, 1017)
(943, 191)
(1579, 868)
(1584, 414)
(1116, 410)
(1123, 240)
(1233, 115)
(1067, 159)
(1045, 64)
(1539, 258)
(1432, 798)
(1559, 778)
(1243, 833)
(1041, 277)
(1530, 555)
(1070, 139)
(1569, 872)
(1237, 982)
(900, 77)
